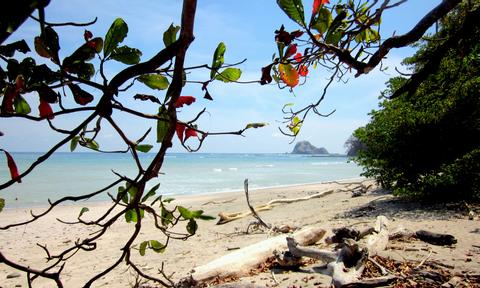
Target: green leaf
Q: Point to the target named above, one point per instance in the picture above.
(47, 45)
(132, 191)
(168, 200)
(21, 106)
(92, 144)
(295, 125)
(51, 39)
(333, 38)
(206, 217)
(123, 194)
(84, 209)
(142, 248)
(157, 246)
(229, 75)
(322, 21)
(170, 35)
(84, 52)
(2, 204)
(166, 216)
(115, 35)
(154, 81)
(73, 143)
(151, 192)
(218, 59)
(131, 215)
(281, 49)
(186, 214)
(145, 148)
(126, 55)
(288, 105)
(162, 124)
(82, 70)
(294, 10)
(189, 214)
(192, 226)
(373, 35)
(255, 125)
(334, 34)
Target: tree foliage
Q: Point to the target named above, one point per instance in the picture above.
(424, 142)
(341, 37)
(45, 87)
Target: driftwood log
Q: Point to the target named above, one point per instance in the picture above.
(435, 238)
(346, 264)
(240, 262)
(228, 217)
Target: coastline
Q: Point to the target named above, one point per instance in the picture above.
(213, 241)
(201, 194)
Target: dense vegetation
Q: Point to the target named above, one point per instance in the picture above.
(423, 141)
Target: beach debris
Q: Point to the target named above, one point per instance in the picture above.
(228, 217)
(436, 238)
(13, 275)
(219, 202)
(423, 235)
(360, 189)
(254, 213)
(242, 261)
(346, 263)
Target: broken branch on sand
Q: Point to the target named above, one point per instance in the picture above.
(228, 217)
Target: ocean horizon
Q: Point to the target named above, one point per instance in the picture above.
(67, 173)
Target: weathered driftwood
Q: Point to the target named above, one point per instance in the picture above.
(346, 265)
(378, 242)
(319, 254)
(435, 238)
(425, 236)
(240, 262)
(260, 221)
(343, 233)
(228, 217)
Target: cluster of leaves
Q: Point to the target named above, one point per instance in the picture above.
(24, 83)
(425, 142)
(351, 26)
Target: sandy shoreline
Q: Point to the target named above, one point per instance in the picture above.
(212, 241)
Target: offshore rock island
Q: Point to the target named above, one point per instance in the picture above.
(305, 147)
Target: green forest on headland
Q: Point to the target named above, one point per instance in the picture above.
(424, 139)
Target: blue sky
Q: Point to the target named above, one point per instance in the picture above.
(247, 28)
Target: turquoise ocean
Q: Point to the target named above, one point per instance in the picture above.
(185, 173)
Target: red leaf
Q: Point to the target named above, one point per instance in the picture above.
(317, 4)
(296, 33)
(303, 70)
(8, 99)
(20, 83)
(292, 49)
(190, 133)
(45, 110)
(12, 167)
(298, 57)
(180, 128)
(80, 96)
(183, 100)
(87, 35)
